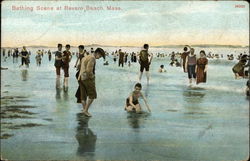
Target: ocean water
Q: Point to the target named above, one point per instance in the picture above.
(199, 122)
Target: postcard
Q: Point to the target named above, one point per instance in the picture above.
(125, 80)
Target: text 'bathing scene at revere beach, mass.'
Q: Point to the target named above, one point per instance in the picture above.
(84, 8)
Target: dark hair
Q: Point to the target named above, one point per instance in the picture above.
(59, 45)
(138, 85)
(202, 51)
(67, 46)
(145, 46)
(244, 56)
(243, 61)
(162, 66)
(185, 49)
(81, 47)
(101, 52)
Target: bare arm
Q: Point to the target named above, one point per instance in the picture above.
(57, 58)
(138, 57)
(70, 56)
(81, 69)
(145, 101)
(205, 70)
(186, 63)
(77, 61)
(151, 58)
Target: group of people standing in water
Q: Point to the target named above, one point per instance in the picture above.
(85, 65)
(195, 67)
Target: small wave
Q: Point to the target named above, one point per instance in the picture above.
(219, 88)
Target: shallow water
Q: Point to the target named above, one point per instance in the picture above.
(205, 122)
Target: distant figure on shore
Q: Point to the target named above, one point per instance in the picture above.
(184, 56)
(4, 52)
(239, 56)
(38, 58)
(133, 57)
(49, 55)
(9, 52)
(92, 51)
(58, 64)
(172, 56)
(201, 68)
(106, 63)
(87, 79)
(129, 64)
(24, 57)
(132, 102)
(121, 57)
(66, 58)
(191, 65)
(161, 70)
(238, 69)
(15, 55)
(115, 56)
(145, 61)
(230, 57)
(125, 58)
(175, 63)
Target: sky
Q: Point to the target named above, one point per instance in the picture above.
(135, 23)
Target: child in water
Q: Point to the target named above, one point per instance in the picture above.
(161, 70)
(132, 102)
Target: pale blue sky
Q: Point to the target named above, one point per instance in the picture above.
(153, 22)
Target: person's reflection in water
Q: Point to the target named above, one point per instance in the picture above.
(85, 137)
(193, 98)
(65, 96)
(194, 94)
(58, 93)
(147, 91)
(24, 74)
(136, 119)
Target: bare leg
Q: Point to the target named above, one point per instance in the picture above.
(147, 74)
(89, 102)
(65, 84)
(64, 81)
(129, 108)
(140, 75)
(138, 108)
(190, 81)
(237, 76)
(83, 105)
(58, 81)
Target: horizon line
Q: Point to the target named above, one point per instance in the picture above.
(104, 45)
